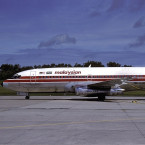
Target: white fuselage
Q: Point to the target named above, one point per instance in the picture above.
(66, 79)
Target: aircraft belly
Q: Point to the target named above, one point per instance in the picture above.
(42, 87)
(13, 86)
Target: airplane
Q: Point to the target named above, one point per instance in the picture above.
(84, 81)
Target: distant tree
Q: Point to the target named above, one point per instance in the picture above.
(93, 64)
(127, 65)
(60, 65)
(6, 67)
(113, 64)
(37, 66)
(8, 70)
(65, 65)
(17, 68)
(26, 68)
(45, 66)
(52, 65)
(77, 65)
(69, 65)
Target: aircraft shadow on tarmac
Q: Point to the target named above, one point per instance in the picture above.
(75, 99)
(51, 99)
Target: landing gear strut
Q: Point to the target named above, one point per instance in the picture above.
(101, 97)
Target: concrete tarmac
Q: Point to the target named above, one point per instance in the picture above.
(72, 120)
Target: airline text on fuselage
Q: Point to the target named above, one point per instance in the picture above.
(68, 72)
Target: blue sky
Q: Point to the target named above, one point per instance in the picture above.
(36, 32)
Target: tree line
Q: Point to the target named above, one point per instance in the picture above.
(8, 70)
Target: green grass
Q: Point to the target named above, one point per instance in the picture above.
(7, 92)
(134, 93)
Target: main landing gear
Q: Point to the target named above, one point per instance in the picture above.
(27, 97)
(101, 97)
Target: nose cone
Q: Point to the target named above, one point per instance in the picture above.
(2, 84)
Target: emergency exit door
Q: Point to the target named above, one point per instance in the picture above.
(33, 77)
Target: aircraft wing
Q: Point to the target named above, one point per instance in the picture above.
(105, 84)
(105, 87)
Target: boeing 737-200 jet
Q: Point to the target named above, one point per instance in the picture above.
(84, 81)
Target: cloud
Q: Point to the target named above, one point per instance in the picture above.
(139, 42)
(116, 4)
(102, 7)
(139, 23)
(136, 5)
(57, 40)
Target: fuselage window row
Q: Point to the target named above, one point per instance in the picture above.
(120, 76)
(81, 77)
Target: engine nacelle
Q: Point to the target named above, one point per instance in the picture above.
(88, 92)
(70, 87)
(91, 92)
(116, 91)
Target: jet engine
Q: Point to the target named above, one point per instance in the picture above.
(91, 92)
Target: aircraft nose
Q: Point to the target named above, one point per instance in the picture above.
(2, 84)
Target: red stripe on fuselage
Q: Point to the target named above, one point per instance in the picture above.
(67, 80)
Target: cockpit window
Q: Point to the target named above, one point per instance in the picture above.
(16, 76)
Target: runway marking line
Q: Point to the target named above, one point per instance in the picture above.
(70, 123)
